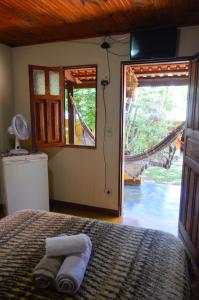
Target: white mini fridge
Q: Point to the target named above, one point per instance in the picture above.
(25, 182)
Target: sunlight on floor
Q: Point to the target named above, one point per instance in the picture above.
(152, 205)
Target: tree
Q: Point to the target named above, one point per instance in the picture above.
(85, 100)
(152, 119)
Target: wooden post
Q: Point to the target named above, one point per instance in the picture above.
(71, 115)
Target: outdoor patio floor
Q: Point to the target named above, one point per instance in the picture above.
(152, 205)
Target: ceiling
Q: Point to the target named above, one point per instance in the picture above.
(25, 22)
(82, 75)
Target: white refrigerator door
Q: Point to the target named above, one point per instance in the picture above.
(26, 183)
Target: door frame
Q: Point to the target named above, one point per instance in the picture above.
(123, 64)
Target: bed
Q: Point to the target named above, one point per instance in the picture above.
(126, 262)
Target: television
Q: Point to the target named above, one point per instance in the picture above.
(153, 43)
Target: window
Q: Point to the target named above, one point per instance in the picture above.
(80, 105)
(63, 106)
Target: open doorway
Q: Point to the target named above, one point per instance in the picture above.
(155, 101)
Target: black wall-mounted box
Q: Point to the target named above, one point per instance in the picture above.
(153, 43)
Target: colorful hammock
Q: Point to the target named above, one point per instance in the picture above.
(161, 155)
(88, 137)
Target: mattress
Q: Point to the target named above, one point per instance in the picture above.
(126, 262)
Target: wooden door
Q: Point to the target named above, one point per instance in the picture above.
(189, 203)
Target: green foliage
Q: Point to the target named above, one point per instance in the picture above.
(154, 119)
(85, 100)
(162, 176)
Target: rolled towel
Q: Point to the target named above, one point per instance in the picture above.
(46, 270)
(71, 273)
(66, 245)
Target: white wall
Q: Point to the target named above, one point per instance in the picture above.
(77, 175)
(188, 41)
(6, 98)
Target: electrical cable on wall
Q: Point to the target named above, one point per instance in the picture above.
(119, 41)
(106, 46)
(104, 83)
(113, 41)
(104, 137)
(117, 54)
(108, 64)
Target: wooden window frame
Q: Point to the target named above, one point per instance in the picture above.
(41, 105)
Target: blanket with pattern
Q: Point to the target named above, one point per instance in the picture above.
(126, 262)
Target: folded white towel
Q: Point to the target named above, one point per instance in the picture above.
(66, 245)
(71, 273)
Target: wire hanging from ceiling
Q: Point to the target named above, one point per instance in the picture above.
(108, 64)
(119, 41)
(117, 54)
(104, 138)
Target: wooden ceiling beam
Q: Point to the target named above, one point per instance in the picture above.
(83, 85)
(161, 70)
(27, 22)
(163, 81)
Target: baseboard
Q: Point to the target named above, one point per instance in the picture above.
(106, 211)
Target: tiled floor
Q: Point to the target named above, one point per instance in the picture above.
(152, 205)
(147, 205)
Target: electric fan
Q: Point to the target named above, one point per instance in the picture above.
(20, 129)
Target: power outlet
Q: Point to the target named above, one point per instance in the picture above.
(108, 191)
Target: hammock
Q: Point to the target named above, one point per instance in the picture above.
(161, 155)
(87, 138)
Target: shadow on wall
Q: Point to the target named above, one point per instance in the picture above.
(6, 98)
(51, 152)
(5, 110)
(51, 183)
